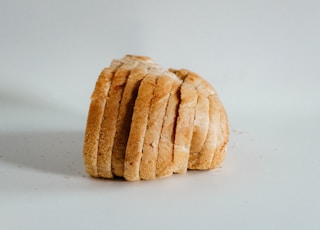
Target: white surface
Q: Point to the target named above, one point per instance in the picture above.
(262, 57)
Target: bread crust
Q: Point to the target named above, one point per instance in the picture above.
(95, 114)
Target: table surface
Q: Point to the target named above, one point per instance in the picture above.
(263, 59)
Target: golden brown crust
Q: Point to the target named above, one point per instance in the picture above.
(138, 128)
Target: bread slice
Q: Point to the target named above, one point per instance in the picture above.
(138, 127)
(95, 114)
(203, 162)
(125, 114)
(200, 130)
(185, 120)
(201, 121)
(204, 158)
(206, 129)
(197, 156)
(156, 116)
(164, 166)
(108, 124)
(222, 139)
(184, 127)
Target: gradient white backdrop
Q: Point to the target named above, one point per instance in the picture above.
(263, 58)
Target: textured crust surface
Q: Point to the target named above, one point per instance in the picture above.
(138, 128)
(95, 114)
(184, 128)
(164, 165)
(108, 124)
(152, 136)
(124, 119)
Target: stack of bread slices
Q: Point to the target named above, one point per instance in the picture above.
(147, 122)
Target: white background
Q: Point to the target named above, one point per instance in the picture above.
(261, 56)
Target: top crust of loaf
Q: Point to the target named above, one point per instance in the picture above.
(139, 58)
